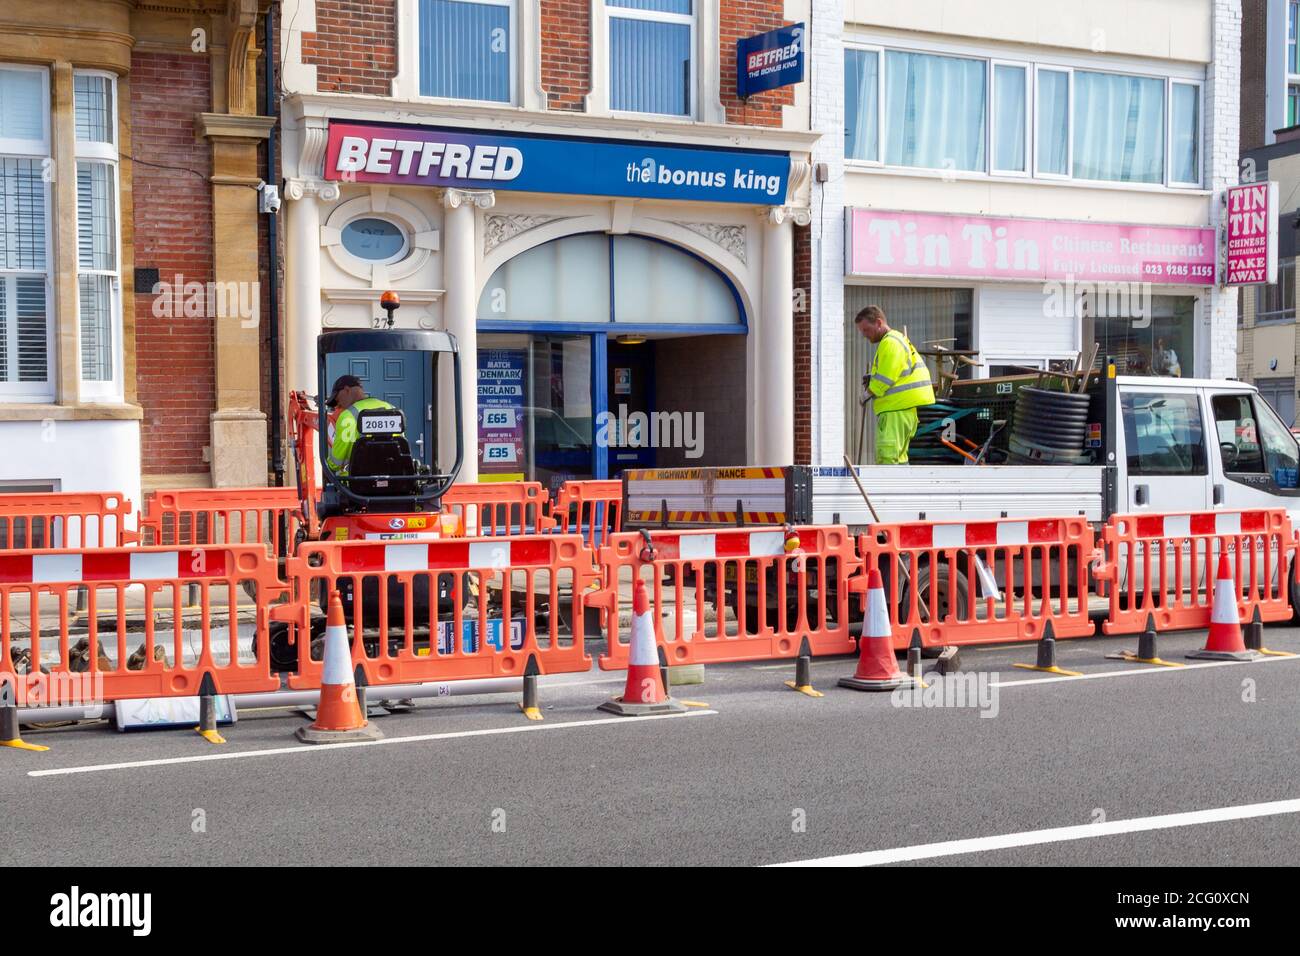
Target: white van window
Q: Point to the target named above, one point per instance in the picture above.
(1163, 434)
(1252, 440)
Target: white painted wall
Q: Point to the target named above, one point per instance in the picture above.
(75, 456)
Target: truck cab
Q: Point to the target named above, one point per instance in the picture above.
(1200, 444)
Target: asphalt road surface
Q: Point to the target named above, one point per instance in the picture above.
(1131, 765)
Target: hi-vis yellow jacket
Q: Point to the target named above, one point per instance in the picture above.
(343, 433)
(899, 378)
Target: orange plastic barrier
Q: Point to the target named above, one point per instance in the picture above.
(593, 509)
(136, 637)
(436, 610)
(496, 508)
(74, 519)
(766, 599)
(983, 582)
(186, 516)
(1164, 565)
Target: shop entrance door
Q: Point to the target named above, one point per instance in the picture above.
(630, 397)
(401, 379)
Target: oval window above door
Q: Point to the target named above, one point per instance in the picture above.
(374, 240)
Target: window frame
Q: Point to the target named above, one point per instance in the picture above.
(15, 391)
(632, 13)
(513, 53)
(408, 243)
(1286, 273)
(879, 53)
(883, 138)
(1172, 183)
(994, 56)
(1069, 122)
(110, 389)
(1029, 127)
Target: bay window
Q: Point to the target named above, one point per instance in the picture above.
(98, 279)
(26, 315)
(942, 111)
(651, 62)
(467, 49)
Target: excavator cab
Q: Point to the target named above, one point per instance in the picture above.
(393, 466)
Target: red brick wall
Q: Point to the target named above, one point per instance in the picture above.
(744, 18)
(802, 306)
(1254, 61)
(354, 50)
(566, 53)
(354, 47)
(173, 233)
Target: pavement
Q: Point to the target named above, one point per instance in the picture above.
(1132, 764)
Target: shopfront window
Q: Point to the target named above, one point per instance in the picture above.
(1155, 338)
(598, 279)
(930, 317)
(534, 407)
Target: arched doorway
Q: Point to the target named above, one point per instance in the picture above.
(602, 352)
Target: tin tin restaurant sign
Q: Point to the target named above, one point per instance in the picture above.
(885, 243)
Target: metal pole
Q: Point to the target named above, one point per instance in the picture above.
(297, 698)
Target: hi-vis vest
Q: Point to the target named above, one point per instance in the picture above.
(899, 378)
(343, 433)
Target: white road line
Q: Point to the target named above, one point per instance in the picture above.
(1086, 831)
(326, 748)
(1137, 671)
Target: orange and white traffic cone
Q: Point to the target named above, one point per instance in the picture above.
(339, 716)
(877, 666)
(644, 692)
(1224, 642)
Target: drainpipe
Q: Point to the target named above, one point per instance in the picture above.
(272, 239)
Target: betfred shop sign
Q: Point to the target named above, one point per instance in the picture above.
(1250, 234)
(429, 156)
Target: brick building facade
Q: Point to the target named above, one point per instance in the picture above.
(131, 137)
(554, 276)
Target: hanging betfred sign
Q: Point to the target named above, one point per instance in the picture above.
(770, 60)
(1250, 234)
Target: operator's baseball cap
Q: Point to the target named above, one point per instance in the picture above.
(340, 383)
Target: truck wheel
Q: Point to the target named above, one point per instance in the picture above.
(922, 581)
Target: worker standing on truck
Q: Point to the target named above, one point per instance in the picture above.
(899, 383)
(347, 398)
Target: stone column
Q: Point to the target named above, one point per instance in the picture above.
(238, 423)
(459, 310)
(774, 368)
(302, 273)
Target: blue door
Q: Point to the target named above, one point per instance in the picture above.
(403, 379)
